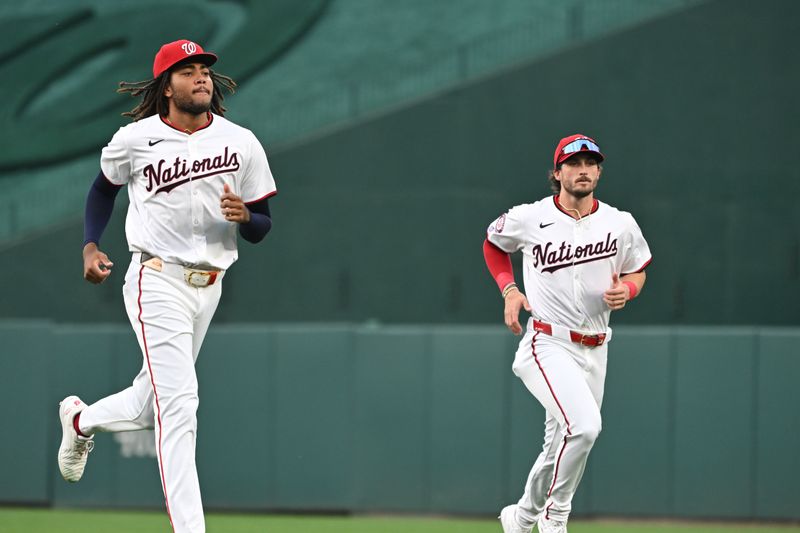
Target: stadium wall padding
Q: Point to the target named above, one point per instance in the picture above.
(697, 421)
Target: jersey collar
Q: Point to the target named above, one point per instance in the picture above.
(204, 126)
(595, 207)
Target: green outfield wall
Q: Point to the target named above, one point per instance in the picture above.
(384, 219)
(698, 422)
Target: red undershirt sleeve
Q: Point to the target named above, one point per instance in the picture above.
(499, 263)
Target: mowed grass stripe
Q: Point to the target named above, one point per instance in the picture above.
(32, 520)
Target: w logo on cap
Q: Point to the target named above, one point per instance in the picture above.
(189, 47)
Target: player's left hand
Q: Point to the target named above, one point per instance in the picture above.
(233, 208)
(617, 295)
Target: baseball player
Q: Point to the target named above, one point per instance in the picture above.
(194, 179)
(582, 259)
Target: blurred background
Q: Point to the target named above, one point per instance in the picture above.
(357, 361)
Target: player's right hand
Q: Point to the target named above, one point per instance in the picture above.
(96, 265)
(515, 301)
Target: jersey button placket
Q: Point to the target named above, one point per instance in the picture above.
(194, 200)
(576, 278)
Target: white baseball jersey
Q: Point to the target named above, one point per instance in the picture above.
(568, 263)
(175, 181)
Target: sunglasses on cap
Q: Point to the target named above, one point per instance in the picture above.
(580, 144)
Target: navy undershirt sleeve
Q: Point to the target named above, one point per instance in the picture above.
(99, 205)
(260, 221)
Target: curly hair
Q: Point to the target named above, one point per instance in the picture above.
(555, 185)
(153, 99)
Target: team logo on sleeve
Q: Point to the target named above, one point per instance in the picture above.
(498, 225)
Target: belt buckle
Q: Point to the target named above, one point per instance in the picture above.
(198, 278)
(592, 341)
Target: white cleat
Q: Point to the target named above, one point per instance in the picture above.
(508, 519)
(74, 449)
(551, 525)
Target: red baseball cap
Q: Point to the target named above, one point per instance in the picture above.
(569, 146)
(172, 53)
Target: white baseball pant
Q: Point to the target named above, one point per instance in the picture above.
(170, 318)
(567, 379)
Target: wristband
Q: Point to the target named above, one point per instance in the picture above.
(633, 290)
(508, 288)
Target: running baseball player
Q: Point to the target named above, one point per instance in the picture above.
(582, 259)
(194, 178)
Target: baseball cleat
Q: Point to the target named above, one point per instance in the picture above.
(74, 449)
(551, 526)
(508, 519)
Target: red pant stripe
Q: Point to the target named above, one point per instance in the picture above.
(563, 413)
(158, 407)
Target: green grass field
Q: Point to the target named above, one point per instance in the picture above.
(14, 520)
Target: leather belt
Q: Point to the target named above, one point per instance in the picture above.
(591, 340)
(193, 276)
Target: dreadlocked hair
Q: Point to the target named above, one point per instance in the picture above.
(153, 99)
